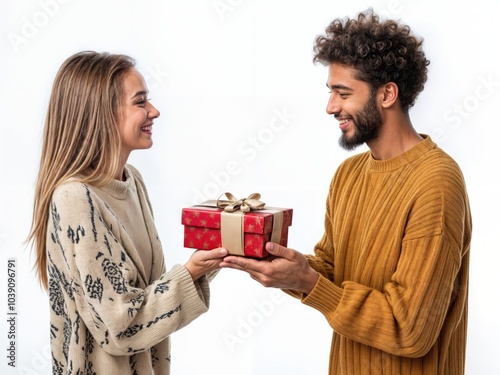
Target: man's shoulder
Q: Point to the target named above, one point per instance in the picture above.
(438, 161)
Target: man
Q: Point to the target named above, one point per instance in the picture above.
(390, 273)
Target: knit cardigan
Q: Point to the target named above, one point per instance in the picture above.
(394, 265)
(107, 316)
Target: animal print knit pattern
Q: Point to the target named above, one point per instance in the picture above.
(109, 315)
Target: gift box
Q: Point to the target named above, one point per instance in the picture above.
(207, 226)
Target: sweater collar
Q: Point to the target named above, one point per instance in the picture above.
(120, 189)
(407, 157)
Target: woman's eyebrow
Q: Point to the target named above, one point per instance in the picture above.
(139, 93)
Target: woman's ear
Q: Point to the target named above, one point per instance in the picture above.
(389, 93)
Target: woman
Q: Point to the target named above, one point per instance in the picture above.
(113, 305)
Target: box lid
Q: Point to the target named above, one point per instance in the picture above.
(259, 221)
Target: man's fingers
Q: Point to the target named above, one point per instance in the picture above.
(234, 266)
(240, 263)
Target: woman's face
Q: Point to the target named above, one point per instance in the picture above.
(136, 114)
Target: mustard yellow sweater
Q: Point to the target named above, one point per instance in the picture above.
(394, 265)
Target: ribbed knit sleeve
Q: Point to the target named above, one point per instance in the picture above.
(404, 319)
(394, 261)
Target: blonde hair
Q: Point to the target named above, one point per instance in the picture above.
(80, 137)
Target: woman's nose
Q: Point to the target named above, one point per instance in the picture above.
(153, 112)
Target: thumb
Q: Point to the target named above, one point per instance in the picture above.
(278, 250)
(219, 252)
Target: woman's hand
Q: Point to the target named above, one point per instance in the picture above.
(204, 261)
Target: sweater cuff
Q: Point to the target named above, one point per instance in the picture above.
(324, 297)
(195, 292)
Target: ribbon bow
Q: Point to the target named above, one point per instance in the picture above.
(252, 202)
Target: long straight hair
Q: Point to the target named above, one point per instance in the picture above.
(80, 138)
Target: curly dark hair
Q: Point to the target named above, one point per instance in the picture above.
(381, 52)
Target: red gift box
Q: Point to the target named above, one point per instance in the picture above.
(202, 228)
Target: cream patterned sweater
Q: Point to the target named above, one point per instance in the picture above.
(113, 305)
(394, 265)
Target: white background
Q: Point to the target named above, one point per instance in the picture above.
(243, 110)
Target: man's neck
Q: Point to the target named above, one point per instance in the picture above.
(395, 138)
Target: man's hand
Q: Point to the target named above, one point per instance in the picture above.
(204, 261)
(285, 269)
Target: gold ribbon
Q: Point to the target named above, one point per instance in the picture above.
(232, 233)
(245, 205)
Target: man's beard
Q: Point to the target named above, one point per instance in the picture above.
(367, 125)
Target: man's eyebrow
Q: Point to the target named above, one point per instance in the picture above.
(338, 87)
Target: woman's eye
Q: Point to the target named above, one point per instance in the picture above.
(143, 101)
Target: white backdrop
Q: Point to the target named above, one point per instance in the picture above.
(243, 110)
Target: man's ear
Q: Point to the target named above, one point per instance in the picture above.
(389, 94)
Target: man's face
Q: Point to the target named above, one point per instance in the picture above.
(353, 104)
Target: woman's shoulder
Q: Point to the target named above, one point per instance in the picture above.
(71, 188)
(74, 193)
